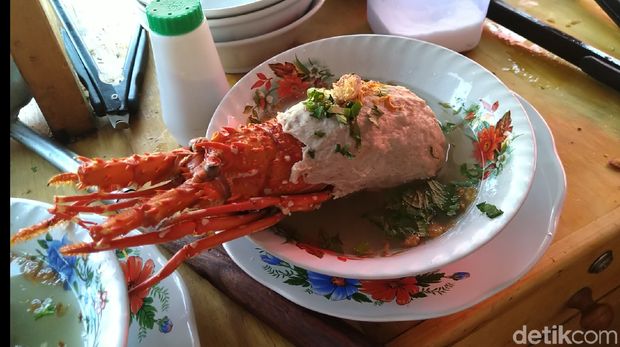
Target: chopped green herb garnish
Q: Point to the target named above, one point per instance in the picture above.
(473, 108)
(355, 108)
(448, 127)
(445, 105)
(332, 243)
(413, 208)
(490, 210)
(47, 308)
(374, 114)
(342, 119)
(472, 175)
(376, 111)
(342, 149)
(311, 153)
(319, 133)
(381, 93)
(318, 103)
(355, 133)
(362, 249)
(322, 105)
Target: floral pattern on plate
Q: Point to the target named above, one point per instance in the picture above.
(491, 143)
(144, 305)
(289, 84)
(79, 275)
(400, 290)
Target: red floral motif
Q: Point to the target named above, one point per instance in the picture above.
(315, 251)
(135, 274)
(488, 142)
(103, 300)
(291, 81)
(292, 87)
(386, 290)
(504, 127)
(262, 80)
(283, 70)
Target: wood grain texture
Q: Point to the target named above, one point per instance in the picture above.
(45, 68)
(535, 300)
(299, 325)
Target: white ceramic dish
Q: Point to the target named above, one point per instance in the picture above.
(173, 316)
(257, 23)
(439, 76)
(97, 280)
(174, 322)
(226, 8)
(458, 286)
(243, 55)
(230, 8)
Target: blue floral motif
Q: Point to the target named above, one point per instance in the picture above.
(270, 259)
(63, 265)
(165, 325)
(457, 276)
(337, 288)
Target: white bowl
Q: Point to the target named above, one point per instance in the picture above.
(247, 25)
(96, 283)
(438, 75)
(227, 8)
(258, 22)
(243, 55)
(230, 8)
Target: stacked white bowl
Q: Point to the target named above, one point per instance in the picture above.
(247, 32)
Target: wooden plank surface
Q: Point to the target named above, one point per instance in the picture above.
(45, 68)
(582, 114)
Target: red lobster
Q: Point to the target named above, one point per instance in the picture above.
(234, 184)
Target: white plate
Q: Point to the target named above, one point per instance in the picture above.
(438, 76)
(173, 306)
(241, 56)
(97, 280)
(459, 285)
(226, 8)
(257, 23)
(173, 319)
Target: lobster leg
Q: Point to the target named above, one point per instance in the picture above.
(41, 227)
(287, 203)
(108, 196)
(155, 209)
(204, 244)
(113, 174)
(169, 233)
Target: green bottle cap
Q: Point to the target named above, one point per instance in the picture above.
(174, 17)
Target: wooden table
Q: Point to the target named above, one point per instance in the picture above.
(583, 115)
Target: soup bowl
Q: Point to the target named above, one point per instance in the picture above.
(494, 151)
(76, 301)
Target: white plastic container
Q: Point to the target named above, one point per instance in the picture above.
(454, 24)
(190, 76)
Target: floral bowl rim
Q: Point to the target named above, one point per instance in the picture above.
(432, 72)
(96, 279)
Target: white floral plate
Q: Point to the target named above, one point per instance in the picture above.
(454, 287)
(459, 90)
(165, 317)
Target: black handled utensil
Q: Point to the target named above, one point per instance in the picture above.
(590, 60)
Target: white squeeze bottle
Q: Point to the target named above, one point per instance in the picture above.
(454, 24)
(190, 76)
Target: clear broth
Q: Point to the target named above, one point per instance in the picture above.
(62, 328)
